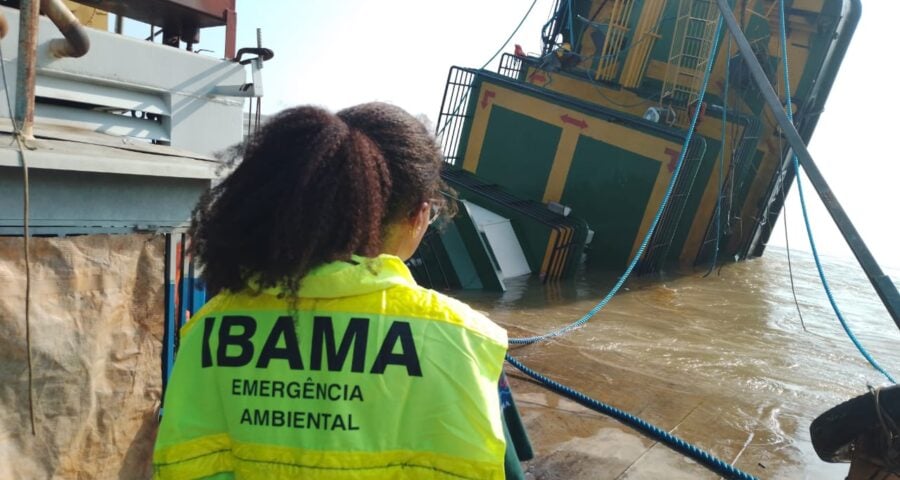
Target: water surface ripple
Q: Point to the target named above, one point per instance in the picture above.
(721, 361)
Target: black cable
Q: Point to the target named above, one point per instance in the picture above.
(602, 4)
(787, 241)
(249, 118)
(26, 194)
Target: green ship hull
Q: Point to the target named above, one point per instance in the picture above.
(592, 130)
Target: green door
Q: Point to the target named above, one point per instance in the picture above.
(518, 152)
(609, 188)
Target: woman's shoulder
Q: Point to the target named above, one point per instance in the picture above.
(401, 300)
(438, 306)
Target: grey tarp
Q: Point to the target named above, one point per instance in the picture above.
(96, 325)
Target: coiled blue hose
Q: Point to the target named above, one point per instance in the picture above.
(699, 455)
(662, 206)
(809, 233)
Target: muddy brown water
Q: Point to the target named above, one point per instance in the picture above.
(720, 361)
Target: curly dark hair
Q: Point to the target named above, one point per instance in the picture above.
(313, 187)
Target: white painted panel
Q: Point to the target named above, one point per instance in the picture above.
(502, 240)
(482, 216)
(506, 249)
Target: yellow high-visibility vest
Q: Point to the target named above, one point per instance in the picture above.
(367, 376)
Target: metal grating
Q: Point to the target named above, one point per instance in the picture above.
(431, 252)
(742, 156)
(454, 113)
(510, 66)
(660, 243)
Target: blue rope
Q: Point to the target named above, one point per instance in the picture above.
(715, 260)
(701, 456)
(809, 233)
(662, 206)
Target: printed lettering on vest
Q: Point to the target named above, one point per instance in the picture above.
(407, 357)
(240, 340)
(283, 329)
(206, 355)
(281, 342)
(298, 419)
(357, 334)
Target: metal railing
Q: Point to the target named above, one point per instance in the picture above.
(737, 174)
(661, 242)
(511, 66)
(454, 113)
(692, 39)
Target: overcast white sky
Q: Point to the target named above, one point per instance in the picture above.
(340, 53)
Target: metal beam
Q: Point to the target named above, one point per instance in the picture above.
(882, 283)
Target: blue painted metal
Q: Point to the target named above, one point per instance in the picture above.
(198, 289)
(169, 329)
(184, 282)
(185, 293)
(187, 290)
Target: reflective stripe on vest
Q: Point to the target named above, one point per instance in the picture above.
(393, 383)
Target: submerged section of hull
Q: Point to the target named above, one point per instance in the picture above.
(496, 236)
(596, 124)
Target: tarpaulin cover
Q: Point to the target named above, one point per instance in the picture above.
(96, 339)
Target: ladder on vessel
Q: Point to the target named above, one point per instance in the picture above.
(692, 39)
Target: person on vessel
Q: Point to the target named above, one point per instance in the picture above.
(320, 357)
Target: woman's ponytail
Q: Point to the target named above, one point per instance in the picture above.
(313, 187)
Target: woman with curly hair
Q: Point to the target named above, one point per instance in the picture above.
(320, 357)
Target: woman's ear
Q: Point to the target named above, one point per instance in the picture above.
(403, 236)
(419, 218)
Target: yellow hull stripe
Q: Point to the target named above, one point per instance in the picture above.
(559, 172)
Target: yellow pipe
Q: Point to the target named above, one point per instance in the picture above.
(618, 27)
(636, 62)
(601, 65)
